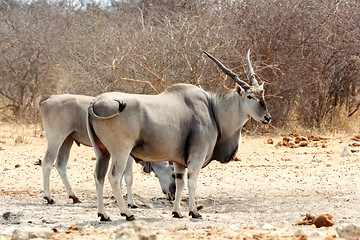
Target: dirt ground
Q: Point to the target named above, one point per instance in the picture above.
(274, 181)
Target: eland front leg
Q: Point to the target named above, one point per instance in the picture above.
(193, 172)
(179, 171)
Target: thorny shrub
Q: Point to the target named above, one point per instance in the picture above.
(306, 52)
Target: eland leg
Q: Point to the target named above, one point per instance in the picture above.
(193, 172)
(128, 174)
(47, 164)
(115, 177)
(179, 181)
(102, 164)
(61, 166)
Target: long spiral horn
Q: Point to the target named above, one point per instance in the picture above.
(228, 72)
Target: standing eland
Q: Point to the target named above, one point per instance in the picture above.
(64, 121)
(185, 125)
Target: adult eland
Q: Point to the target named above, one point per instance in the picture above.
(184, 124)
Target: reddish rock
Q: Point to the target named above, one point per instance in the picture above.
(324, 220)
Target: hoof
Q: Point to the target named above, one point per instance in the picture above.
(132, 206)
(130, 218)
(103, 218)
(195, 215)
(49, 200)
(176, 215)
(75, 199)
(199, 207)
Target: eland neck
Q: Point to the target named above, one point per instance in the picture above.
(229, 113)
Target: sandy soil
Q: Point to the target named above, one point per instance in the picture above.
(276, 184)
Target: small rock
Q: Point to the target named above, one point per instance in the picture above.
(284, 222)
(88, 228)
(349, 230)
(24, 233)
(345, 152)
(38, 162)
(270, 141)
(301, 232)
(308, 220)
(315, 234)
(125, 235)
(11, 218)
(324, 220)
(74, 229)
(17, 165)
(134, 231)
(248, 236)
(266, 226)
(9, 230)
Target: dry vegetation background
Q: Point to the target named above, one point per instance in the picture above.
(307, 52)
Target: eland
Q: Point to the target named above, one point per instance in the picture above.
(64, 121)
(184, 124)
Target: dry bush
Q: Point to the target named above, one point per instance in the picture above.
(27, 69)
(306, 52)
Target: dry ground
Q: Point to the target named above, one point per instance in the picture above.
(268, 183)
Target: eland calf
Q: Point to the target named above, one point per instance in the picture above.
(184, 124)
(64, 120)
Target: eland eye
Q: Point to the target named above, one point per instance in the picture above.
(250, 97)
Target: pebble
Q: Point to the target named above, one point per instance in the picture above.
(345, 152)
(8, 231)
(301, 232)
(348, 230)
(24, 233)
(134, 231)
(316, 234)
(266, 226)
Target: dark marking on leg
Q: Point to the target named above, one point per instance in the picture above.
(189, 175)
(103, 218)
(195, 215)
(49, 200)
(75, 199)
(179, 175)
(176, 215)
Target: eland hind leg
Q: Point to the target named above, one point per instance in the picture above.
(102, 164)
(128, 175)
(52, 150)
(61, 166)
(116, 173)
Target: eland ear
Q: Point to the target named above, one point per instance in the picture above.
(261, 87)
(240, 90)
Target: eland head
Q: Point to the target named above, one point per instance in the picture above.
(252, 96)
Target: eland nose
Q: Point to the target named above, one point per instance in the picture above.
(267, 118)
